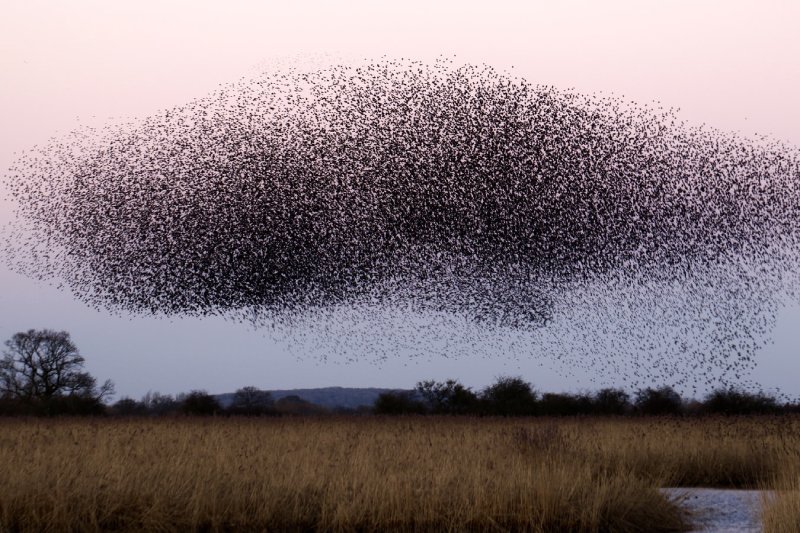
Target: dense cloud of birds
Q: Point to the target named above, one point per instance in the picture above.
(402, 205)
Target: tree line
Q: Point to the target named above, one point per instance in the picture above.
(513, 396)
(41, 373)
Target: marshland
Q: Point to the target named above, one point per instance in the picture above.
(356, 473)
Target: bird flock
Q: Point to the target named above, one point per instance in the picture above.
(399, 207)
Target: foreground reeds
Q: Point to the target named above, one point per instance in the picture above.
(782, 505)
(372, 473)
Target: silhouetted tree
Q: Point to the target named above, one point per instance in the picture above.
(449, 397)
(732, 401)
(552, 404)
(251, 401)
(611, 402)
(661, 401)
(791, 407)
(199, 402)
(44, 370)
(159, 404)
(398, 403)
(510, 396)
(128, 407)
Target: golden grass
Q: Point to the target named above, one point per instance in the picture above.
(781, 512)
(346, 474)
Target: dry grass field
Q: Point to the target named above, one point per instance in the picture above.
(370, 473)
(782, 513)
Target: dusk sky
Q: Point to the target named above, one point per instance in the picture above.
(732, 65)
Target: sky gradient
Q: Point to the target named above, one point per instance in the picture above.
(730, 65)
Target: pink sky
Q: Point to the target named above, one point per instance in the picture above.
(730, 64)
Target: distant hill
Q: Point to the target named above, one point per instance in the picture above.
(330, 397)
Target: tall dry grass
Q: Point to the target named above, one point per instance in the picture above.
(781, 513)
(742, 452)
(372, 474)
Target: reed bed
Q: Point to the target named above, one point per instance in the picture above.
(369, 473)
(781, 513)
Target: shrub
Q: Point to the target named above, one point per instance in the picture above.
(199, 402)
(553, 404)
(611, 402)
(398, 403)
(128, 407)
(732, 401)
(250, 401)
(158, 404)
(449, 397)
(510, 396)
(661, 401)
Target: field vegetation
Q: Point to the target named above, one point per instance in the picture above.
(385, 473)
(440, 457)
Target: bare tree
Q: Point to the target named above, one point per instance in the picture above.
(40, 365)
(251, 401)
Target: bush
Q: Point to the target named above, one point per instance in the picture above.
(200, 403)
(52, 406)
(553, 404)
(732, 401)
(510, 396)
(449, 397)
(72, 405)
(158, 404)
(398, 403)
(611, 402)
(661, 401)
(15, 407)
(128, 407)
(250, 401)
